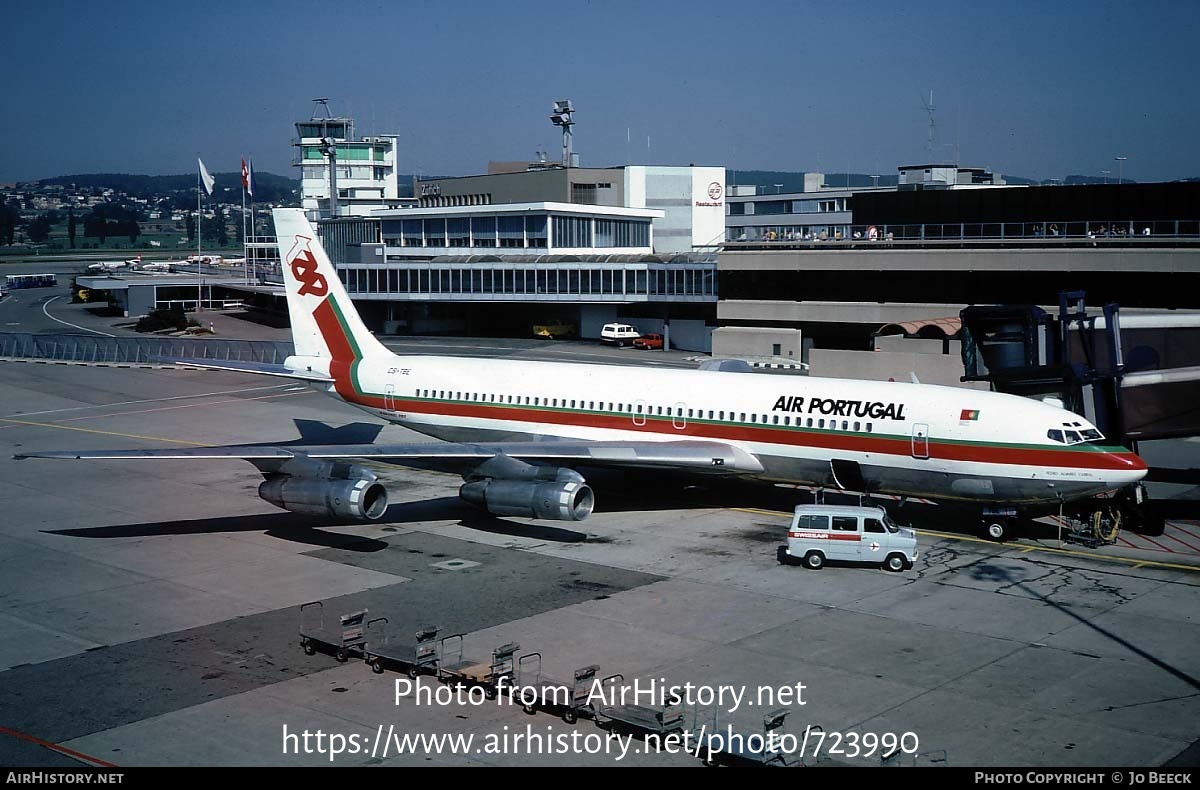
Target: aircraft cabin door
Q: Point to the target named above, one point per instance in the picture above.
(920, 440)
(389, 397)
(639, 413)
(678, 418)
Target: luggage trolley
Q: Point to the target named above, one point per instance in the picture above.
(568, 700)
(723, 746)
(453, 668)
(348, 639)
(637, 718)
(415, 659)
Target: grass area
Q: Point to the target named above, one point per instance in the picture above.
(169, 243)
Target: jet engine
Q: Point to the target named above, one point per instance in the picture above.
(322, 488)
(504, 486)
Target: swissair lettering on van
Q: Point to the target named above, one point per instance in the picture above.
(821, 533)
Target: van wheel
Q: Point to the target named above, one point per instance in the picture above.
(782, 555)
(998, 529)
(814, 560)
(895, 563)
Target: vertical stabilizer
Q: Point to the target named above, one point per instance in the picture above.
(324, 321)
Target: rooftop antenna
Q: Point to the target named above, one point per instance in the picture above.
(929, 108)
(322, 102)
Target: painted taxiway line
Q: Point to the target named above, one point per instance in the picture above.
(68, 323)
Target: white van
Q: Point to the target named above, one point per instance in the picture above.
(620, 334)
(821, 533)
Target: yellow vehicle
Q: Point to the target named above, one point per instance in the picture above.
(554, 330)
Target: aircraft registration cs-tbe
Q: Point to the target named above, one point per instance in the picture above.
(529, 425)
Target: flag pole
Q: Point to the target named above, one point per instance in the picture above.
(199, 276)
(245, 240)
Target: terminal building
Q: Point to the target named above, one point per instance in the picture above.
(501, 253)
(910, 259)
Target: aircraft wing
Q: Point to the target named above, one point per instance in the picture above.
(262, 368)
(712, 457)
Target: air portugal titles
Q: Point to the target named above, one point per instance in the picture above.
(833, 407)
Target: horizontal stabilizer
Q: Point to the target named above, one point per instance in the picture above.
(260, 368)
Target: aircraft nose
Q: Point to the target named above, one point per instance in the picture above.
(1131, 463)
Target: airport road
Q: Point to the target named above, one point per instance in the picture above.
(148, 610)
(49, 310)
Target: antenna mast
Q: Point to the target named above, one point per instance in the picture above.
(930, 144)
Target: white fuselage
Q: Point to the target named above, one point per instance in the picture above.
(907, 439)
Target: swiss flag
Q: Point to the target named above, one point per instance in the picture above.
(247, 178)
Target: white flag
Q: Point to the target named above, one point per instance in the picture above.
(205, 177)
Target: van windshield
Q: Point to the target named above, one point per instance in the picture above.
(887, 523)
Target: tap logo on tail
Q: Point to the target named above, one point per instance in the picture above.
(304, 268)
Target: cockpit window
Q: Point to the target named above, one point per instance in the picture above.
(1074, 437)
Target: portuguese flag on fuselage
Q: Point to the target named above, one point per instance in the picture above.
(969, 414)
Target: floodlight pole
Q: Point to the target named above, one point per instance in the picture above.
(562, 117)
(329, 148)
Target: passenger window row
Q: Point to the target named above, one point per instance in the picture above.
(647, 410)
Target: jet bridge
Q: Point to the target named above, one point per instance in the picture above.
(1135, 376)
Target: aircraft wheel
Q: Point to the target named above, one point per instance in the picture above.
(998, 529)
(814, 560)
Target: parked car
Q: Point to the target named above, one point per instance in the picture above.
(648, 341)
(554, 330)
(619, 334)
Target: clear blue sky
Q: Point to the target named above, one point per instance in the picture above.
(1038, 89)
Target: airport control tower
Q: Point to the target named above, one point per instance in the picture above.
(363, 175)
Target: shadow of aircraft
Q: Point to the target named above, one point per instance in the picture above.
(1015, 577)
(307, 530)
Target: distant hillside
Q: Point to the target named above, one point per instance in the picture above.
(268, 187)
